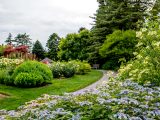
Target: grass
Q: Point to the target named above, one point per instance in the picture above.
(18, 96)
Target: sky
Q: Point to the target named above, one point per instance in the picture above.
(41, 18)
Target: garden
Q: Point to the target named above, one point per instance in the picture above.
(125, 41)
(22, 81)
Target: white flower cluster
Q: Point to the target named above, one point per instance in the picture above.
(4, 62)
(116, 100)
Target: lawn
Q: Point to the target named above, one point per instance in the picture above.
(18, 96)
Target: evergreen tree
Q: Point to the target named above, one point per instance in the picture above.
(52, 45)
(22, 39)
(113, 15)
(9, 39)
(81, 29)
(38, 50)
(155, 9)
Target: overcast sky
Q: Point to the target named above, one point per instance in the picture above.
(41, 18)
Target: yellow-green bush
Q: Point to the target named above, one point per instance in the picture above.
(32, 70)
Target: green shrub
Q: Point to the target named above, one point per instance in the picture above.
(111, 65)
(118, 45)
(5, 77)
(28, 80)
(62, 69)
(81, 67)
(56, 69)
(3, 74)
(31, 67)
(68, 70)
(145, 68)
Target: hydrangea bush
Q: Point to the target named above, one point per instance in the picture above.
(113, 100)
(145, 68)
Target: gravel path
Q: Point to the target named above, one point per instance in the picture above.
(94, 85)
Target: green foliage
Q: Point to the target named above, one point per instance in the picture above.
(2, 48)
(75, 46)
(111, 100)
(5, 77)
(156, 9)
(81, 67)
(28, 80)
(38, 50)
(22, 39)
(111, 64)
(68, 69)
(119, 44)
(3, 74)
(59, 86)
(52, 45)
(56, 69)
(146, 66)
(62, 69)
(112, 15)
(9, 39)
(31, 67)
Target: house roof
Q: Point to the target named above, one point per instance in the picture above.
(47, 59)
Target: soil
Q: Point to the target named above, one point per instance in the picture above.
(3, 96)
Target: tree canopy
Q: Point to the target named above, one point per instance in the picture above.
(75, 46)
(52, 45)
(38, 50)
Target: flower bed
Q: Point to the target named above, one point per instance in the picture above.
(113, 100)
(5, 62)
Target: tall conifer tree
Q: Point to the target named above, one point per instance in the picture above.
(115, 15)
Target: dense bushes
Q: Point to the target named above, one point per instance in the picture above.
(112, 100)
(118, 45)
(31, 73)
(5, 77)
(7, 67)
(146, 66)
(81, 67)
(5, 62)
(68, 69)
(28, 80)
(62, 69)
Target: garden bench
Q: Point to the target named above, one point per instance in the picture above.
(95, 66)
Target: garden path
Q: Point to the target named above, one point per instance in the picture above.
(105, 77)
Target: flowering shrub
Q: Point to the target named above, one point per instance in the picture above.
(116, 100)
(5, 62)
(146, 66)
(68, 69)
(7, 67)
(81, 67)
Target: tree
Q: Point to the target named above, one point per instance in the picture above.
(118, 45)
(113, 15)
(81, 29)
(52, 45)
(75, 46)
(155, 9)
(23, 39)
(38, 50)
(9, 39)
